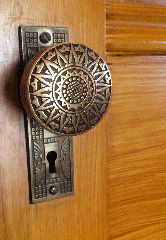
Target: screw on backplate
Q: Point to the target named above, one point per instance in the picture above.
(45, 37)
(53, 190)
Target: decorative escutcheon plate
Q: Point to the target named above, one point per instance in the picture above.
(66, 88)
(50, 156)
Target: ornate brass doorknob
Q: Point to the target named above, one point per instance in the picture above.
(66, 88)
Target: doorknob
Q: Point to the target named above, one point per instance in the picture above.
(66, 88)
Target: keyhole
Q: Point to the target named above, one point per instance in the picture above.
(51, 157)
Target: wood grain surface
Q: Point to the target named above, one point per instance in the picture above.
(136, 132)
(84, 215)
(135, 29)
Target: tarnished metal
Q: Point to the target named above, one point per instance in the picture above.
(50, 157)
(34, 39)
(66, 88)
(51, 164)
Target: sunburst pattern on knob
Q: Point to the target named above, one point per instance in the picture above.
(66, 88)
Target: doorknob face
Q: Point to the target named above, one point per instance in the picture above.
(66, 88)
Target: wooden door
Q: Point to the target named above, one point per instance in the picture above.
(84, 215)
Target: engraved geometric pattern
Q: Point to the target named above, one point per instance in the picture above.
(69, 88)
(31, 39)
(42, 183)
(59, 37)
(65, 160)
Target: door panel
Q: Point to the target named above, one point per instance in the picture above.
(84, 215)
(136, 129)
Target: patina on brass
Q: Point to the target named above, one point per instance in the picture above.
(66, 88)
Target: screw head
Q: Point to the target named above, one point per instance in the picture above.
(45, 37)
(53, 190)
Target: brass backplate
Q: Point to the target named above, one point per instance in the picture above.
(50, 157)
